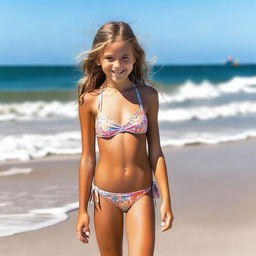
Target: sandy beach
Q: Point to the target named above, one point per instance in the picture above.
(213, 200)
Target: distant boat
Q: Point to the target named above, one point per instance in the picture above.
(231, 62)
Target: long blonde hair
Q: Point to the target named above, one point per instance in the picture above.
(93, 76)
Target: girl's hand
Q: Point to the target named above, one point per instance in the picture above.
(82, 227)
(166, 216)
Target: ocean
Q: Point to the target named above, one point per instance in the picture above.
(198, 104)
(207, 104)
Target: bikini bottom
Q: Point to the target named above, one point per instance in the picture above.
(123, 201)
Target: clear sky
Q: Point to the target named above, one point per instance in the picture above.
(176, 31)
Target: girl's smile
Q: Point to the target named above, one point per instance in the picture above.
(117, 61)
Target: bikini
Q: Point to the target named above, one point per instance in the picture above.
(106, 127)
(123, 201)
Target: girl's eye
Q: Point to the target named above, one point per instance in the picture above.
(110, 59)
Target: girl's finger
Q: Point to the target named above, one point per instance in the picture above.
(86, 230)
(163, 217)
(83, 234)
(167, 223)
(86, 233)
(163, 220)
(82, 238)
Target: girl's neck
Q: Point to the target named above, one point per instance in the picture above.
(118, 86)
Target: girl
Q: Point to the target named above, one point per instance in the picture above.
(117, 107)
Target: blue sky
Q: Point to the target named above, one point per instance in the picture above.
(177, 32)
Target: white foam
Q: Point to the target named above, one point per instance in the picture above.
(39, 109)
(207, 112)
(11, 224)
(188, 91)
(207, 90)
(201, 113)
(207, 138)
(239, 84)
(29, 146)
(14, 171)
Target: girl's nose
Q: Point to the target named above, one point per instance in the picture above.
(116, 63)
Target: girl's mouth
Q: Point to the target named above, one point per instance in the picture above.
(118, 73)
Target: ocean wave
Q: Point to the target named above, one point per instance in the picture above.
(40, 109)
(20, 222)
(36, 110)
(207, 90)
(208, 138)
(26, 147)
(31, 110)
(207, 112)
(30, 146)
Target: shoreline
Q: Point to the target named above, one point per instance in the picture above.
(212, 190)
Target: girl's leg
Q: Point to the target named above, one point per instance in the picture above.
(141, 240)
(109, 228)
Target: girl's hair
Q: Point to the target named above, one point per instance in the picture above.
(93, 75)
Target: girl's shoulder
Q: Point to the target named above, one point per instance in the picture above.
(147, 90)
(148, 95)
(90, 100)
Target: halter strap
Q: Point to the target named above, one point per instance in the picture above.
(101, 98)
(138, 95)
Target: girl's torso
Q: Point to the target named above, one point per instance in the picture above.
(120, 127)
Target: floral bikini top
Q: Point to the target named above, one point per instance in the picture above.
(107, 127)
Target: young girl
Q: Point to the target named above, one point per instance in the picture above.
(117, 107)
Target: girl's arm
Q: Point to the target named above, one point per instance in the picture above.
(87, 165)
(157, 159)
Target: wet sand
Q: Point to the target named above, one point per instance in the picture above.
(213, 200)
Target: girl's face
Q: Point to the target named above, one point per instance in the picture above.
(117, 61)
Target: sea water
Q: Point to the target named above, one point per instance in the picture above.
(38, 117)
(197, 104)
